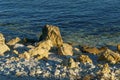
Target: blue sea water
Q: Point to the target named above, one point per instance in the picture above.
(92, 22)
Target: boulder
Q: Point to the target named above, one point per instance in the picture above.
(84, 59)
(3, 46)
(65, 49)
(41, 50)
(52, 33)
(13, 41)
(109, 56)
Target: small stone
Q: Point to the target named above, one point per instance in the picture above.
(25, 55)
(57, 72)
(118, 47)
(65, 49)
(15, 51)
(84, 59)
(14, 41)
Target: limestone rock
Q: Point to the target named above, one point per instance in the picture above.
(65, 49)
(13, 41)
(109, 56)
(118, 47)
(25, 55)
(70, 63)
(42, 49)
(84, 59)
(52, 33)
(93, 50)
(3, 46)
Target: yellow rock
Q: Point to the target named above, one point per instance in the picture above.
(3, 46)
(106, 69)
(14, 41)
(52, 33)
(84, 59)
(109, 56)
(65, 49)
(15, 51)
(70, 63)
(25, 55)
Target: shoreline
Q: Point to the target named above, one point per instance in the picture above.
(21, 62)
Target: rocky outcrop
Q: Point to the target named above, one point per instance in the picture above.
(84, 59)
(65, 49)
(52, 33)
(14, 41)
(3, 46)
(109, 56)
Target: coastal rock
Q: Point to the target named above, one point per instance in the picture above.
(93, 50)
(13, 41)
(65, 49)
(84, 59)
(25, 55)
(70, 63)
(109, 56)
(52, 33)
(118, 47)
(3, 46)
(105, 73)
(41, 50)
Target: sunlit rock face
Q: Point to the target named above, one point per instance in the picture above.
(65, 49)
(52, 33)
(13, 41)
(109, 56)
(3, 46)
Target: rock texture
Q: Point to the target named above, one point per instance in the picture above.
(3, 46)
(40, 51)
(93, 50)
(109, 56)
(118, 47)
(52, 33)
(84, 59)
(14, 41)
(65, 49)
(70, 63)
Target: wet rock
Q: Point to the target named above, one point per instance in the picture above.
(25, 55)
(52, 33)
(109, 56)
(65, 49)
(13, 41)
(3, 46)
(84, 59)
(70, 63)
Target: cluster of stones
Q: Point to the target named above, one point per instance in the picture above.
(50, 39)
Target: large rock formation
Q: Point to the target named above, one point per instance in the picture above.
(52, 33)
(65, 49)
(14, 41)
(3, 46)
(109, 56)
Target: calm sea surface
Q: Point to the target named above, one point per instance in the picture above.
(92, 22)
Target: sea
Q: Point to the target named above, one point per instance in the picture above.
(83, 22)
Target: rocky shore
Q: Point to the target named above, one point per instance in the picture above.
(51, 58)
